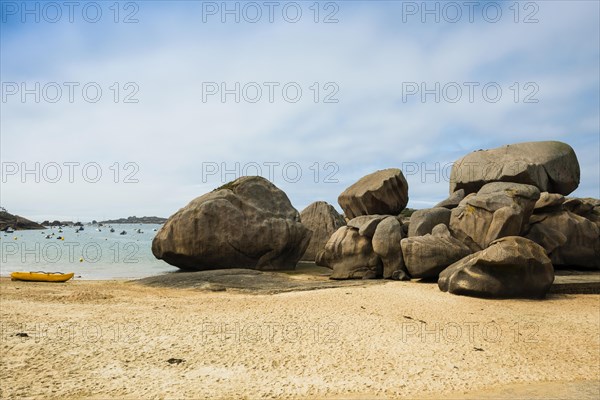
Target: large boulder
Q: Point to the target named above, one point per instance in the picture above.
(511, 267)
(366, 224)
(550, 166)
(247, 223)
(323, 220)
(350, 255)
(570, 240)
(499, 209)
(588, 208)
(386, 244)
(427, 256)
(423, 221)
(382, 192)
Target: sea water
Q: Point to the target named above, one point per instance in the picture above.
(93, 253)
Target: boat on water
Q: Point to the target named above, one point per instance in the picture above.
(41, 276)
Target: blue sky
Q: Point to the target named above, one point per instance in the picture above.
(167, 145)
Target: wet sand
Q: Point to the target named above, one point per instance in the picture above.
(116, 339)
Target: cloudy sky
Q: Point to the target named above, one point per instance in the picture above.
(110, 111)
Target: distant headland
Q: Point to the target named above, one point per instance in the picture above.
(14, 222)
(136, 220)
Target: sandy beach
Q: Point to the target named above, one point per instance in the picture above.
(118, 339)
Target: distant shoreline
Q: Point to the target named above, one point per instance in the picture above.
(128, 220)
(136, 220)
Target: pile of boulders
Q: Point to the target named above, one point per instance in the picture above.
(500, 233)
(504, 228)
(369, 245)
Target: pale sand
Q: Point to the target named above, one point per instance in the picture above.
(113, 340)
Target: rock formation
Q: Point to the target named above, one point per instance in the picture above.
(386, 244)
(498, 209)
(247, 223)
(423, 221)
(550, 166)
(453, 200)
(510, 267)
(569, 240)
(427, 256)
(382, 192)
(350, 255)
(504, 228)
(323, 220)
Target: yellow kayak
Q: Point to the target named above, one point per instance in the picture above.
(41, 276)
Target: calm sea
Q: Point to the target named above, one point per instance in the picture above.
(93, 253)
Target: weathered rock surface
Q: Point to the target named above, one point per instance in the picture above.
(453, 200)
(580, 206)
(569, 239)
(323, 220)
(427, 256)
(423, 221)
(350, 255)
(366, 224)
(382, 192)
(386, 244)
(304, 277)
(511, 267)
(588, 208)
(499, 209)
(247, 223)
(550, 166)
(548, 201)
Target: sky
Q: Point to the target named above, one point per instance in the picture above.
(135, 108)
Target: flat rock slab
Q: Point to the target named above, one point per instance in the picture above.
(575, 282)
(307, 276)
